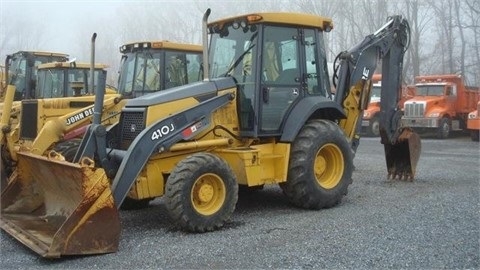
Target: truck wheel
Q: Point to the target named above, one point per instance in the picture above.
(321, 166)
(374, 127)
(68, 149)
(201, 193)
(475, 134)
(443, 131)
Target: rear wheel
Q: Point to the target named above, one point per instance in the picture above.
(201, 193)
(321, 166)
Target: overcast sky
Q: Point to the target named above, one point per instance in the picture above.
(62, 23)
(59, 20)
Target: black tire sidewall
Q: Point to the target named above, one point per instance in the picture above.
(180, 185)
(302, 187)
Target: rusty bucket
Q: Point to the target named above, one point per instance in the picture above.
(59, 208)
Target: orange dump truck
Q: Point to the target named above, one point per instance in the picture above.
(441, 104)
(371, 115)
(473, 123)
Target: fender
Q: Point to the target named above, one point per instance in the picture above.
(308, 108)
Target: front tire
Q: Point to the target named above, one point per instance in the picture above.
(321, 166)
(443, 131)
(374, 127)
(201, 193)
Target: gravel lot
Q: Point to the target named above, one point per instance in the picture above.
(431, 223)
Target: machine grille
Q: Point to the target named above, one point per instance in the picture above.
(29, 120)
(132, 123)
(414, 110)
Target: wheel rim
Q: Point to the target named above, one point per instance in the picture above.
(329, 166)
(208, 194)
(446, 130)
(376, 128)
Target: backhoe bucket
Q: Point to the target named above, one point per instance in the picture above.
(58, 208)
(402, 156)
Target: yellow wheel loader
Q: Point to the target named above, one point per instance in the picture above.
(262, 115)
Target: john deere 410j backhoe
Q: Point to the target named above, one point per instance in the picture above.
(262, 115)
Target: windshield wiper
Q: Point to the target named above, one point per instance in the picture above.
(240, 58)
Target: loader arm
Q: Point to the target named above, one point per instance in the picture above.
(355, 72)
(151, 141)
(55, 129)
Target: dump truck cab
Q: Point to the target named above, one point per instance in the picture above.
(441, 104)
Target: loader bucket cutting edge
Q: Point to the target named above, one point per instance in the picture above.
(58, 208)
(403, 155)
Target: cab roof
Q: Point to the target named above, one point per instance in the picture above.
(162, 44)
(72, 65)
(284, 18)
(42, 53)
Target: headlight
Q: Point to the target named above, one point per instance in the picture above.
(472, 115)
(433, 115)
(366, 114)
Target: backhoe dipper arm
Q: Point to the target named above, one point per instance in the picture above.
(355, 72)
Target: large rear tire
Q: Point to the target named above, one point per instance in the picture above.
(201, 193)
(320, 167)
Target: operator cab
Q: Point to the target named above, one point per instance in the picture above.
(63, 79)
(276, 61)
(148, 67)
(21, 71)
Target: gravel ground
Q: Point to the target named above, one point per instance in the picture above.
(431, 223)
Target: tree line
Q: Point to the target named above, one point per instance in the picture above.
(444, 33)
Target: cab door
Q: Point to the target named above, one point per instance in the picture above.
(281, 81)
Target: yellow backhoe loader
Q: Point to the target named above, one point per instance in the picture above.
(64, 97)
(17, 83)
(262, 115)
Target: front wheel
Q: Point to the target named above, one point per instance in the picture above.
(443, 130)
(201, 193)
(373, 129)
(321, 166)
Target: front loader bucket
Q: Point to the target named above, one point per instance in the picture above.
(58, 208)
(402, 156)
